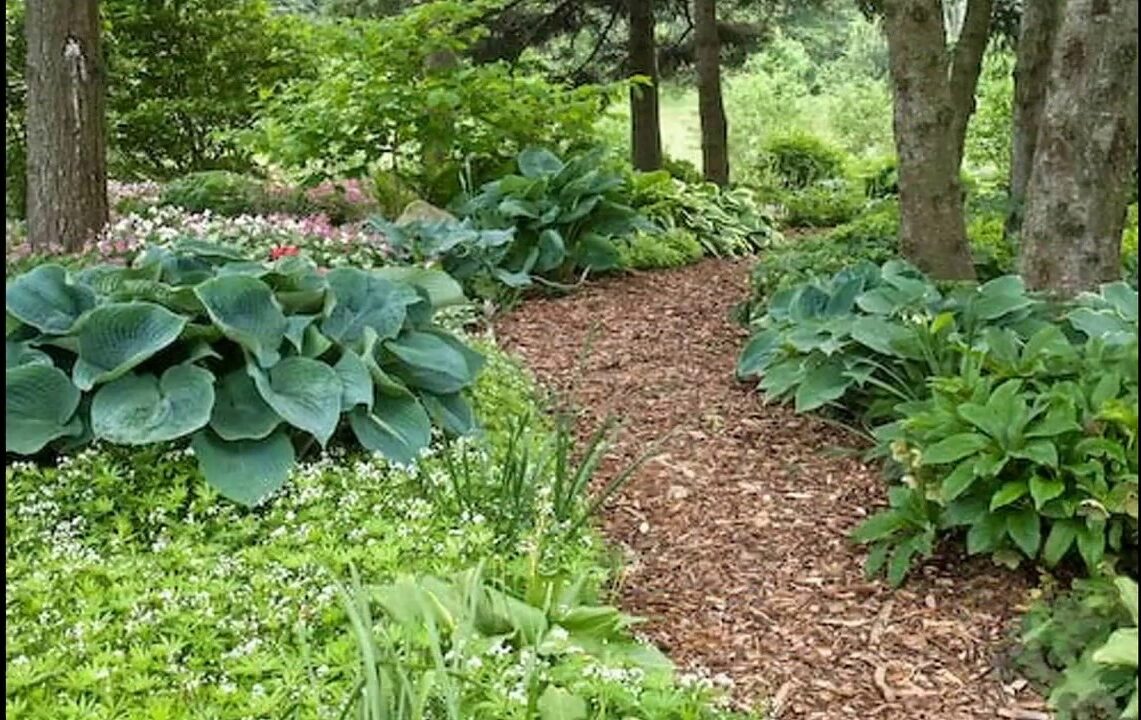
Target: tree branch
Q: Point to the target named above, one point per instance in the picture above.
(966, 65)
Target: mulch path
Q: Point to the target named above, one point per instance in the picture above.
(736, 536)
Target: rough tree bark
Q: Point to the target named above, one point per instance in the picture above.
(1037, 29)
(67, 158)
(645, 122)
(714, 127)
(1085, 151)
(933, 103)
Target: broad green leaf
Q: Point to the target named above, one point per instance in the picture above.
(356, 381)
(21, 353)
(451, 412)
(295, 328)
(984, 536)
(552, 251)
(145, 409)
(434, 362)
(39, 402)
(1042, 452)
(306, 393)
(958, 481)
(115, 338)
(596, 252)
(358, 299)
(1044, 489)
(245, 471)
(442, 289)
(821, 385)
(886, 338)
(398, 427)
(900, 562)
(44, 299)
(558, 704)
(537, 162)
(953, 448)
(1010, 492)
(1091, 544)
(245, 310)
(982, 418)
(1024, 526)
(1059, 541)
(1119, 649)
(239, 411)
(1001, 296)
(879, 526)
(758, 352)
(1127, 588)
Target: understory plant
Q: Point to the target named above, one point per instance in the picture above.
(254, 363)
(567, 217)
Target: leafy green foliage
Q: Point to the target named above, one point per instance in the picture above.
(797, 161)
(674, 247)
(727, 223)
(249, 360)
(1083, 646)
(824, 204)
(566, 217)
(219, 191)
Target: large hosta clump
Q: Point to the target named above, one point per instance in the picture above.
(252, 362)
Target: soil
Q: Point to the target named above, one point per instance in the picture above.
(736, 535)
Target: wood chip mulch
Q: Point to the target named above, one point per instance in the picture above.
(736, 536)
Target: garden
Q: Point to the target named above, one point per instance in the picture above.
(630, 360)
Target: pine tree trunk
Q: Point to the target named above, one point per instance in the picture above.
(67, 159)
(933, 231)
(1085, 151)
(714, 127)
(645, 122)
(1037, 29)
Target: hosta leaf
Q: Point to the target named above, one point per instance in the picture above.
(886, 338)
(239, 411)
(451, 412)
(117, 337)
(1010, 492)
(244, 308)
(596, 252)
(1059, 541)
(306, 393)
(358, 300)
(781, 377)
(1044, 489)
(1025, 528)
(145, 409)
(44, 299)
(758, 353)
(245, 471)
(552, 251)
(295, 328)
(1119, 649)
(1001, 296)
(536, 162)
(953, 448)
(441, 288)
(398, 427)
(356, 381)
(18, 353)
(434, 362)
(821, 385)
(39, 400)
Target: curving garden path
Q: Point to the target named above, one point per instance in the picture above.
(736, 536)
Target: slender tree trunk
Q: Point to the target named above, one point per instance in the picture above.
(67, 157)
(966, 65)
(933, 231)
(645, 122)
(1037, 29)
(1085, 152)
(714, 126)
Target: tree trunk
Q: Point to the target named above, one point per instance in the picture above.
(67, 158)
(714, 127)
(966, 65)
(1037, 28)
(1085, 152)
(645, 123)
(933, 231)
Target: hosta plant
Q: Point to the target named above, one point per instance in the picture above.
(252, 363)
(567, 217)
(1031, 449)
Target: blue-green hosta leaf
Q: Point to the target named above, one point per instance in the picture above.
(451, 412)
(779, 378)
(117, 337)
(1001, 296)
(442, 288)
(356, 381)
(245, 471)
(1103, 325)
(886, 338)
(398, 427)
(434, 362)
(552, 251)
(295, 330)
(21, 353)
(758, 352)
(537, 162)
(953, 448)
(580, 209)
(44, 299)
(144, 409)
(1123, 298)
(597, 252)
(239, 411)
(244, 308)
(39, 402)
(360, 300)
(822, 385)
(306, 393)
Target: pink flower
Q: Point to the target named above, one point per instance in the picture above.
(280, 251)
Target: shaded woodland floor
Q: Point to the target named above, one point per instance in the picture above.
(736, 536)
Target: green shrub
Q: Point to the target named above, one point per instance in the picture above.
(799, 160)
(881, 178)
(674, 247)
(566, 217)
(1030, 446)
(1083, 647)
(824, 204)
(992, 250)
(1129, 246)
(683, 170)
(253, 362)
(218, 191)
